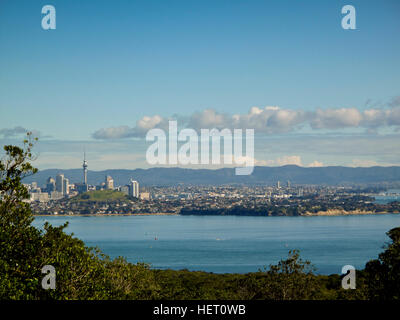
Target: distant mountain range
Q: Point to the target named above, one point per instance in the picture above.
(334, 175)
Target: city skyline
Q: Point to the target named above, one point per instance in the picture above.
(60, 187)
(316, 94)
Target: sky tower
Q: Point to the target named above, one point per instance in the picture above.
(84, 168)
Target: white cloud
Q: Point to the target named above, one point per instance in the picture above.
(267, 120)
(271, 119)
(17, 131)
(393, 116)
(146, 123)
(114, 133)
(307, 150)
(11, 132)
(208, 118)
(288, 160)
(375, 117)
(336, 118)
(142, 126)
(315, 164)
(282, 161)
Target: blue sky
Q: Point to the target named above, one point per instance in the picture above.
(111, 63)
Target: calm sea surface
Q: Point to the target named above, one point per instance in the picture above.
(233, 244)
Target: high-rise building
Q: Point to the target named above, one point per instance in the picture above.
(39, 196)
(51, 185)
(60, 183)
(109, 183)
(134, 189)
(84, 166)
(288, 184)
(66, 187)
(278, 185)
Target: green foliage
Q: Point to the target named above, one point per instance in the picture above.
(81, 272)
(13, 168)
(291, 279)
(17, 237)
(101, 196)
(383, 274)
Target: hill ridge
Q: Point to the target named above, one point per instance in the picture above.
(330, 175)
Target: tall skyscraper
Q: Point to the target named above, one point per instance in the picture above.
(66, 187)
(109, 183)
(278, 185)
(134, 189)
(85, 165)
(60, 183)
(51, 185)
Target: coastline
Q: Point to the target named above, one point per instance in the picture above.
(107, 214)
(337, 212)
(331, 213)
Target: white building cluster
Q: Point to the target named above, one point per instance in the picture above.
(60, 187)
(54, 189)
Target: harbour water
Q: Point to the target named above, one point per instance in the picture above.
(233, 244)
(388, 196)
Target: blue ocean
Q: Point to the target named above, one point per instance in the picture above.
(233, 244)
